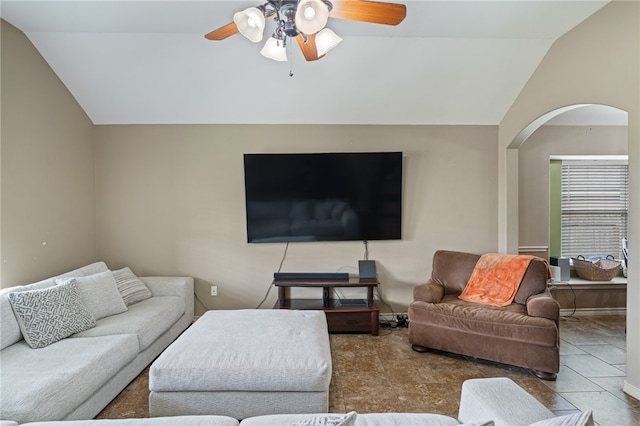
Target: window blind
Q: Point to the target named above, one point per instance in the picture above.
(594, 203)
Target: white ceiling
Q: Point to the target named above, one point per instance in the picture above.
(448, 62)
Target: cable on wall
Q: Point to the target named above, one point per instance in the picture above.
(575, 306)
(284, 256)
(379, 295)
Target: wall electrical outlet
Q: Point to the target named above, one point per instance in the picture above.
(214, 290)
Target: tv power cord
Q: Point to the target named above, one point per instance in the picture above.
(401, 321)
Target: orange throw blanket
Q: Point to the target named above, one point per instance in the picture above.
(496, 278)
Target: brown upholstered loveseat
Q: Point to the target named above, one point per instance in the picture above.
(524, 334)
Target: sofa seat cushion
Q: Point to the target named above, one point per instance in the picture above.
(369, 419)
(148, 320)
(33, 380)
(156, 421)
(509, 322)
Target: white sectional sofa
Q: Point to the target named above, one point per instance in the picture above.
(75, 377)
(484, 402)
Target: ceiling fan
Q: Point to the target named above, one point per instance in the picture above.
(305, 20)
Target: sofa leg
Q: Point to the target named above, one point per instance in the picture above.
(420, 349)
(544, 375)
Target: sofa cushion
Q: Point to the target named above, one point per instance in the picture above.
(130, 287)
(8, 323)
(156, 421)
(584, 418)
(84, 271)
(328, 420)
(511, 322)
(10, 329)
(148, 320)
(452, 270)
(33, 380)
(99, 293)
(301, 209)
(50, 314)
(534, 281)
(368, 419)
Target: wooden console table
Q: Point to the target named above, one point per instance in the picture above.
(343, 315)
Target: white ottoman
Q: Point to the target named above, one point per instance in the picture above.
(245, 363)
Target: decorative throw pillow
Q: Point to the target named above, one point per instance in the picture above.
(329, 420)
(50, 314)
(99, 293)
(130, 287)
(584, 418)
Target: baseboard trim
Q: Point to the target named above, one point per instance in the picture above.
(591, 312)
(629, 389)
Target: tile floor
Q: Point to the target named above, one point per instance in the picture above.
(383, 374)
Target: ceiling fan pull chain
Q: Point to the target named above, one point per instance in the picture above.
(290, 65)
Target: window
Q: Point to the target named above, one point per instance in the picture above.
(594, 205)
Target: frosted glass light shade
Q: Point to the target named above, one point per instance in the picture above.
(274, 49)
(250, 23)
(311, 16)
(326, 40)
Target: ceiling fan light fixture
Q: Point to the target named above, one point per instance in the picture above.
(304, 21)
(274, 49)
(250, 23)
(326, 40)
(311, 16)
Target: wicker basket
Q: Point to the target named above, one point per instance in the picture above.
(599, 270)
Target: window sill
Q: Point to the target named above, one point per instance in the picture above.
(614, 284)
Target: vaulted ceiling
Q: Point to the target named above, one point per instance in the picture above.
(141, 62)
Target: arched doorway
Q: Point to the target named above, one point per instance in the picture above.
(575, 131)
(530, 135)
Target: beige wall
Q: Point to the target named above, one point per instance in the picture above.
(171, 200)
(48, 195)
(597, 62)
(533, 169)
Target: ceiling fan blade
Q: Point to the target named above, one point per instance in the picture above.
(309, 49)
(369, 11)
(222, 32)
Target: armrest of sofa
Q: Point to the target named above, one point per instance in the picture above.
(173, 286)
(429, 292)
(544, 305)
(499, 399)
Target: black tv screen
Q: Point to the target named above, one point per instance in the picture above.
(323, 196)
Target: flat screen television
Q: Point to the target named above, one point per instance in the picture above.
(323, 196)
